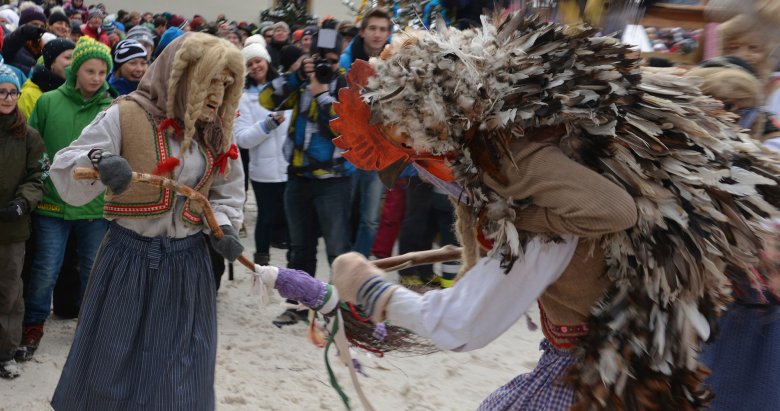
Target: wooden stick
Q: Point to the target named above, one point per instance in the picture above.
(446, 253)
(86, 173)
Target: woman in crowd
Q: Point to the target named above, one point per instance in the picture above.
(263, 133)
(57, 55)
(23, 156)
(130, 63)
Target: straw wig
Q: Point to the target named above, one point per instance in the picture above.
(200, 58)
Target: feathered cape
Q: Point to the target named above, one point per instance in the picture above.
(702, 187)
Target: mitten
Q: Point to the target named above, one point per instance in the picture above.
(362, 283)
(14, 211)
(115, 171)
(269, 124)
(300, 286)
(229, 245)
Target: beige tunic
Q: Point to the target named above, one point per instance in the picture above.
(566, 198)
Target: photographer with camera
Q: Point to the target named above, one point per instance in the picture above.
(318, 186)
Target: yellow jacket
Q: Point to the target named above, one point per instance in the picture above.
(30, 94)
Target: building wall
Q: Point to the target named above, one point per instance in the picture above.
(239, 10)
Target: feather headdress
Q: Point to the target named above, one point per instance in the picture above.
(701, 186)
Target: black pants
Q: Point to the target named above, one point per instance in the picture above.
(428, 213)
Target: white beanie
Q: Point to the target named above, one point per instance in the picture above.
(255, 38)
(255, 50)
(47, 37)
(12, 17)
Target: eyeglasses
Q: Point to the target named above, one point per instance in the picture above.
(4, 94)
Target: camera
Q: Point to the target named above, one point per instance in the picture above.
(323, 71)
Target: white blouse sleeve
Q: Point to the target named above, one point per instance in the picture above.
(486, 302)
(227, 195)
(103, 133)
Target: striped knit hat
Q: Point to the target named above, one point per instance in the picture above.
(87, 48)
(8, 76)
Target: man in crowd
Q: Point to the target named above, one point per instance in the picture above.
(366, 187)
(318, 186)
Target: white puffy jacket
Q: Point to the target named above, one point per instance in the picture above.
(267, 163)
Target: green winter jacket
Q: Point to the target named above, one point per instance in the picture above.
(24, 163)
(60, 115)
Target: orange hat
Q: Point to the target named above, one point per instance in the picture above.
(297, 34)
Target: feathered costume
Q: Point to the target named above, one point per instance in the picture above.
(700, 185)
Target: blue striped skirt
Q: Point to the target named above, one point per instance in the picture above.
(540, 390)
(147, 334)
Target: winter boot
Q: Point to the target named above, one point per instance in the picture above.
(262, 258)
(9, 369)
(290, 317)
(31, 337)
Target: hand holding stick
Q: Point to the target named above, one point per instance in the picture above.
(446, 253)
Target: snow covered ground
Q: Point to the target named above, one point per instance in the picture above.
(262, 367)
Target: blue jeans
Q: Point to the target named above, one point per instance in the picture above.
(51, 237)
(309, 201)
(367, 189)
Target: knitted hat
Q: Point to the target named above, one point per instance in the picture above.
(8, 76)
(171, 34)
(196, 23)
(142, 35)
(108, 26)
(127, 50)
(11, 17)
(54, 48)
(29, 14)
(58, 16)
(288, 56)
(255, 39)
(281, 24)
(96, 12)
(75, 28)
(255, 50)
(297, 34)
(264, 26)
(310, 30)
(47, 37)
(177, 21)
(88, 48)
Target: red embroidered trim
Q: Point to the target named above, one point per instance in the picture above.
(140, 210)
(561, 336)
(188, 215)
(170, 123)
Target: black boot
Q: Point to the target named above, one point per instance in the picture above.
(262, 258)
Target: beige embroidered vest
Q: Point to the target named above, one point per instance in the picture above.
(144, 145)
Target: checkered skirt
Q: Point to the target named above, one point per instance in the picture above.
(540, 390)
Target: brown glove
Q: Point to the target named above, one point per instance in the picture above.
(361, 282)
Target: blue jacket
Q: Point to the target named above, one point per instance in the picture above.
(310, 148)
(122, 85)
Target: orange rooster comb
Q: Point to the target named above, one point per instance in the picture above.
(365, 144)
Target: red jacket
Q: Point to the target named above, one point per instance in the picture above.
(97, 34)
